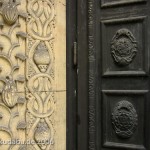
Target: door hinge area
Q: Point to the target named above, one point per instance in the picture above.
(75, 49)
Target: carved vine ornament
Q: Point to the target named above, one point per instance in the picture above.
(40, 73)
(11, 79)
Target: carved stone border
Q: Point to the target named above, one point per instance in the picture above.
(92, 81)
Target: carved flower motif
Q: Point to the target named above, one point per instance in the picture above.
(9, 94)
(10, 12)
(41, 57)
(123, 47)
(124, 119)
(42, 134)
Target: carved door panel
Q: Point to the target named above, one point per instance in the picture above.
(33, 75)
(119, 41)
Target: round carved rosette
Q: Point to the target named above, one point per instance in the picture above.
(124, 119)
(123, 47)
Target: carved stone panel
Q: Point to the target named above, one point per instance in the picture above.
(33, 75)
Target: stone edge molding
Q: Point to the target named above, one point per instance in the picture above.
(13, 59)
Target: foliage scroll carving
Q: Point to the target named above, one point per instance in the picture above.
(12, 76)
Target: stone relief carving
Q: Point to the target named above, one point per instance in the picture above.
(41, 57)
(124, 119)
(27, 74)
(42, 132)
(12, 75)
(9, 93)
(10, 12)
(40, 73)
(123, 47)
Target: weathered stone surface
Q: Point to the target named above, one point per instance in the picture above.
(33, 74)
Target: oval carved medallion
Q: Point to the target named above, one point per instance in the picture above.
(10, 12)
(124, 119)
(123, 47)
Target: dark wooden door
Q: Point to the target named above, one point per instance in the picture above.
(119, 77)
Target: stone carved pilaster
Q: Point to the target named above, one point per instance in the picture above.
(40, 74)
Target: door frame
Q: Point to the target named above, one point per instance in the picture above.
(81, 111)
(71, 30)
(82, 97)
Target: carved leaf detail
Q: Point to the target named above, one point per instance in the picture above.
(42, 134)
(9, 95)
(23, 15)
(1, 24)
(1, 116)
(24, 147)
(22, 125)
(41, 57)
(20, 56)
(22, 34)
(12, 70)
(1, 47)
(21, 100)
(20, 78)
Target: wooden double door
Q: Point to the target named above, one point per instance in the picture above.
(119, 75)
(113, 75)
